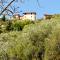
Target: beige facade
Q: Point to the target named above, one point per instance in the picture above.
(21, 17)
(27, 15)
(16, 16)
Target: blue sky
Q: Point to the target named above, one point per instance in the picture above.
(46, 6)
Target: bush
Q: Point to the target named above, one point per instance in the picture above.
(52, 44)
(9, 26)
(13, 25)
(19, 25)
(15, 45)
(37, 41)
(37, 34)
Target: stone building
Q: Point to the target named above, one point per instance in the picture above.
(47, 16)
(29, 15)
(26, 15)
(16, 16)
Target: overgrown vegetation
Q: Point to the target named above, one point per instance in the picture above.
(28, 40)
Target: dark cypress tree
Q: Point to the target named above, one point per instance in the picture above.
(3, 18)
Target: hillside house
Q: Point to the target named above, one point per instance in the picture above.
(16, 16)
(47, 16)
(29, 15)
(26, 15)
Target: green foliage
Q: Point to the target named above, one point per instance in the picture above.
(16, 25)
(19, 25)
(28, 40)
(3, 18)
(15, 46)
(53, 44)
(37, 34)
(9, 26)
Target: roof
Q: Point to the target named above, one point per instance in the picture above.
(47, 15)
(29, 13)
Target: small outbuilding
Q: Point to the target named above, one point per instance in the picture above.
(47, 16)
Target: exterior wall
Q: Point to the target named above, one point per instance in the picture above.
(21, 17)
(47, 17)
(30, 17)
(16, 16)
